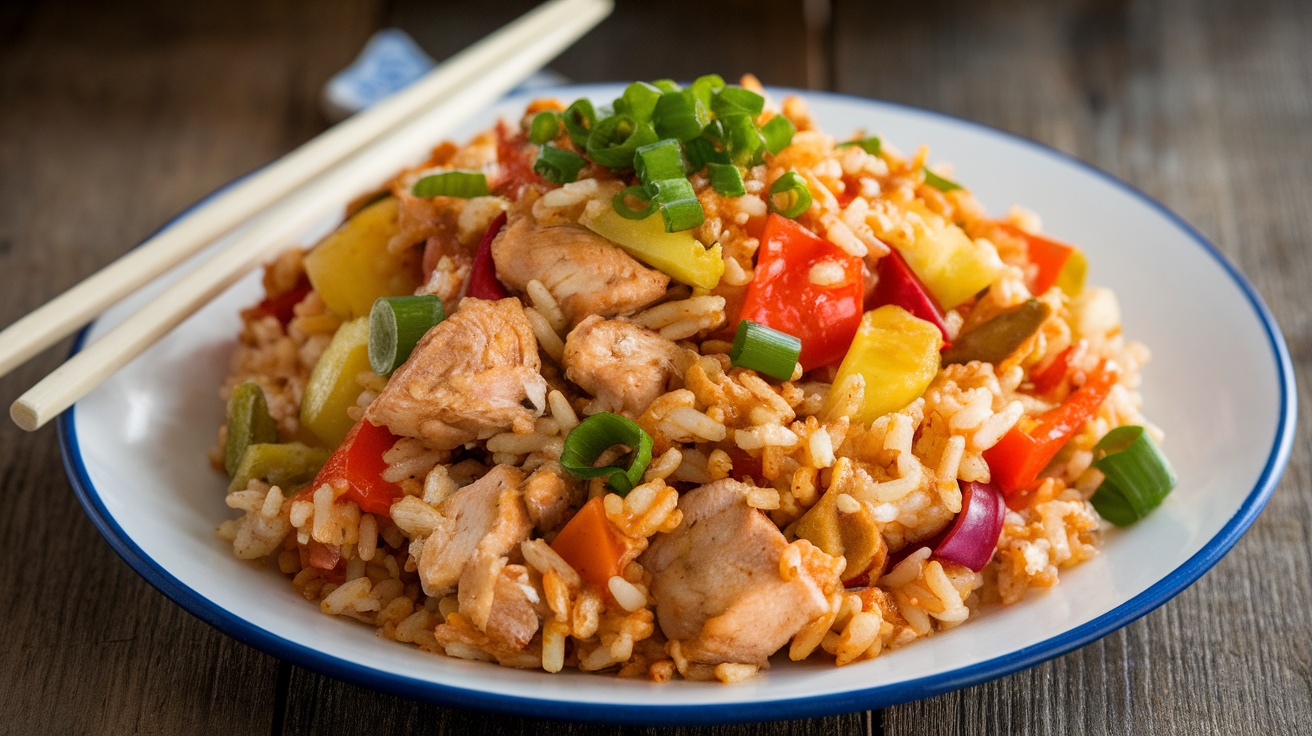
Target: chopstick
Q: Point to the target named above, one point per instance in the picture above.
(311, 203)
(63, 315)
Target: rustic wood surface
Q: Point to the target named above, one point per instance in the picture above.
(115, 116)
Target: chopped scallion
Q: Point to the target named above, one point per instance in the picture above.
(704, 88)
(789, 195)
(463, 184)
(726, 179)
(742, 138)
(557, 165)
(871, 145)
(579, 119)
(678, 203)
(396, 323)
(660, 160)
(737, 100)
(680, 115)
(638, 101)
(1138, 475)
(621, 204)
(545, 127)
(597, 434)
(765, 350)
(614, 139)
(940, 183)
(666, 85)
(701, 152)
(778, 133)
(249, 423)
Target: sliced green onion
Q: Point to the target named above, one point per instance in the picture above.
(704, 88)
(765, 350)
(789, 195)
(660, 160)
(621, 204)
(701, 152)
(249, 423)
(614, 139)
(545, 127)
(871, 145)
(678, 203)
(737, 100)
(778, 133)
(395, 325)
(1138, 475)
(726, 179)
(680, 115)
(666, 85)
(579, 119)
(638, 101)
(288, 466)
(939, 183)
(557, 165)
(742, 138)
(598, 433)
(463, 184)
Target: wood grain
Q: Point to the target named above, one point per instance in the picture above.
(114, 117)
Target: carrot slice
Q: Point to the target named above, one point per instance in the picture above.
(591, 545)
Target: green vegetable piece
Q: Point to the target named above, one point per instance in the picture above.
(396, 323)
(621, 203)
(705, 88)
(462, 184)
(544, 127)
(614, 140)
(288, 466)
(765, 350)
(778, 133)
(249, 423)
(660, 160)
(678, 203)
(680, 115)
(579, 119)
(940, 183)
(1138, 475)
(598, 433)
(871, 145)
(996, 339)
(735, 99)
(638, 101)
(727, 180)
(789, 195)
(558, 165)
(701, 152)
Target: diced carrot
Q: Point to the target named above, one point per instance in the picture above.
(591, 545)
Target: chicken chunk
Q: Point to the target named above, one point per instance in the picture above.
(474, 375)
(624, 365)
(549, 495)
(586, 273)
(498, 599)
(718, 585)
(483, 522)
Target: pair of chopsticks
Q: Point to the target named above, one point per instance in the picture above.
(279, 202)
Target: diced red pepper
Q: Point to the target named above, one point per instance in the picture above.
(1049, 377)
(325, 557)
(358, 464)
(899, 286)
(745, 466)
(1048, 255)
(1018, 458)
(483, 283)
(515, 157)
(781, 295)
(283, 305)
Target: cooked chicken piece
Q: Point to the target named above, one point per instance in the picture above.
(586, 273)
(483, 521)
(717, 581)
(472, 376)
(498, 599)
(549, 494)
(624, 365)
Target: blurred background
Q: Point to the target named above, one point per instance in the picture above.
(115, 116)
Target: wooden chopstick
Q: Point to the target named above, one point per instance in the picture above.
(310, 204)
(63, 315)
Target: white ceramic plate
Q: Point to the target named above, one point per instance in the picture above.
(1220, 384)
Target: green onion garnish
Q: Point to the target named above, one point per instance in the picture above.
(701, 152)
(463, 184)
(704, 88)
(939, 183)
(395, 325)
(871, 145)
(660, 160)
(789, 195)
(743, 139)
(1138, 475)
(778, 133)
(545, 127)
(579, 119)
(678, 203)
(249, 423)
(666, 85)
(614, 139)
(726, 179)
(598, 433)
(621, 204)
(737, 100)
(638, 101)
(557, 165)
(679, 114)
(765, 350)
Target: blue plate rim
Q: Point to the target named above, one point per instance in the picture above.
(819, 705)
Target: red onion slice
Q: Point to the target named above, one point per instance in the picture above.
(973, 536)
(483, 282)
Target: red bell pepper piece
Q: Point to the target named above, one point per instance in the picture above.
(900, 286)
(358, 464)
(1048, 378)
(782, 297)
(1047, 254)
(483, 282)
(1018, 458)
(282, 306)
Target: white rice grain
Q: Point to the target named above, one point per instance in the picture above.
(626, 594)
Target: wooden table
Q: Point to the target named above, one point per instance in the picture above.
(112, 119)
